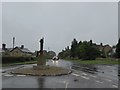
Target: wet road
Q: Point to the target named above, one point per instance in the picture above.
(89, 76)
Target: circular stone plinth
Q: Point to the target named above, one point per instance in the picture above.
(51, 71)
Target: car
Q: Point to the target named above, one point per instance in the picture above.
(55, 58)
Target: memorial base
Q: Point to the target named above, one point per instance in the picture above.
(41, 67)
(42, 71)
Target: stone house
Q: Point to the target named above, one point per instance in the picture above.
(107, 49)
(20, 51)
(17, 51)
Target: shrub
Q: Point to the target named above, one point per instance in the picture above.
(16, 59)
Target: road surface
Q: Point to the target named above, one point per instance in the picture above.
(104, 76)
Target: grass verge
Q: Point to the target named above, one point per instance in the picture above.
(106, 61)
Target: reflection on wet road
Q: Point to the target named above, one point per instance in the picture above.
(82, 76)
(60, 63)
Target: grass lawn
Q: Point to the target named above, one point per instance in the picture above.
(106, 61)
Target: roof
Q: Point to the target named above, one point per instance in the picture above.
(25, 50)
(22, 49)
(106, 48)
(1, 50)
(11, 49)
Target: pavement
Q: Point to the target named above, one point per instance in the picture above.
(104, 76)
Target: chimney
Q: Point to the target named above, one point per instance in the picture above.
(22, 46)
(3, 46)
(101, 44)
(91, 42)
(13, 42)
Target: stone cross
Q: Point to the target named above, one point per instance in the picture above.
(41, 45)
(41, 60)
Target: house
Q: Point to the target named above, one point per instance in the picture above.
(5, 51)
(17, 51)
(106, 49)
(20, 51)
(114, 49)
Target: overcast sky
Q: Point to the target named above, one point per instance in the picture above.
(59, 23)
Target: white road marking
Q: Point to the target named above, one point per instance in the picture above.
(75, 74)
(108, 80)
(84, 73)
(85, 77)
(93, 76)
(8, 75)
(66, 85)
(21, 75)
(61, 81)
(64, 81)
(108, 66)
(115, 86)
(99, 82)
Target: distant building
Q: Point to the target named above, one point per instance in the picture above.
(107, 49)
(17, 51)
(5, 51)
(20, 51)
(114, 49)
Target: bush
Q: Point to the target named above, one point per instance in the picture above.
(16, 59)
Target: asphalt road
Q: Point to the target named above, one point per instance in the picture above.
(104, 76)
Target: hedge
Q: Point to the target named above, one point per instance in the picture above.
(16, 59)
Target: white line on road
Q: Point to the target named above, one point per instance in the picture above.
(8, 75)
(93, 76)
(85, 77)
(66, 85)
(108, 66)
(21, 75)
(64, 81)
(75, 74)
(115, 86)
(84, 73)
(99, 82)
(108, 80)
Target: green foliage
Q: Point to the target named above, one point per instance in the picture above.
(51, 54)
(82, 50)
(17, 59)
(99, 61)
(65, 53)
(87, 51)
(74, 48)
(118, 49)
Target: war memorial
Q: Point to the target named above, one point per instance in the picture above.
(41, 69)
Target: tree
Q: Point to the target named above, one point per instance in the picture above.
(65, 54)
(74, 48)
(51, 54)
(82, 50)
(118, 49)
(87, 51)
